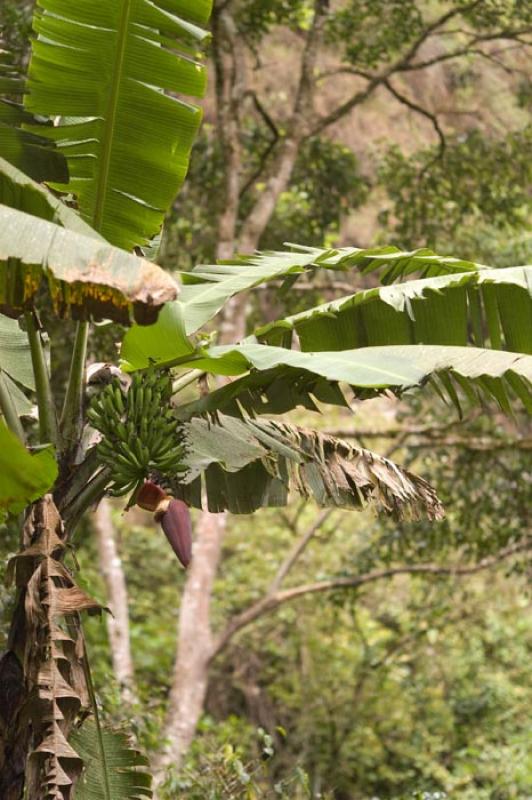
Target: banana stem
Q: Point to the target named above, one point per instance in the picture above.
(181, 383)
(92, 493)
(8, 409)
(47, 417)
(72, 416)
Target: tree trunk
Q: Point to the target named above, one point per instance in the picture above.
(117, 598)
(194, 642)
(194, 638)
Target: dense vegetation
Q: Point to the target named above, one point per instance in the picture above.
(338, 655)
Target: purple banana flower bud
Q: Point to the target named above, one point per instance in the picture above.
(177, 525)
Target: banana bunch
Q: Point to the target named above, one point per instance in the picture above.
(141, 436)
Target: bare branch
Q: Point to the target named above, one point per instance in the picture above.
(425, 113)
(405, 62)
(265, 155)
(467, 49)
(270, 602)
(297, 550)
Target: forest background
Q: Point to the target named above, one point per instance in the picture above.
(393, 685)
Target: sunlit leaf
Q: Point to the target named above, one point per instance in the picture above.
(107, 70)
(23, 477)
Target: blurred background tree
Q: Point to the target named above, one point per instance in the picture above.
(351, 123)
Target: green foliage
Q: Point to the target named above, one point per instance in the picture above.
(325, 186)
(372, 32)
(113, 769)
(23, 477)
(108, 125)
(407, 686)
(257, 17)
(436, 201)
(219, 769)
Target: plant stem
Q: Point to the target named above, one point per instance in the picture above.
(72, 416)
(47, 417)
(93, 491)
(8, 409)
(181, 383)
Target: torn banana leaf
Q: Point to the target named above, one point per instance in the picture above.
(208, 287)
(485, 306)
(247, 464)
(84, 276)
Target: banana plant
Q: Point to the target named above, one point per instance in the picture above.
(101, 89)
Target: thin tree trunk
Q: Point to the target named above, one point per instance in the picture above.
(194, 647)
(117, 598)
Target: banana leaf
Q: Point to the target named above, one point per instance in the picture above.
(479, 373)
(84, 276)
(247, 464)
(488, 305)
(115, 74)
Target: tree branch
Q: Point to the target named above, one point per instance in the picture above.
(270, 602)
(404, 63)
(263, 160)
(297, 550)
(288, 146)
(425, 113)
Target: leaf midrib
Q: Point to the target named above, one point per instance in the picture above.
(110, 118)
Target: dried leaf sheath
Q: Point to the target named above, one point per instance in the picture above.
(49, 646)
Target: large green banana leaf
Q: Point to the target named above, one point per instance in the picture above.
(280, 379)
(84, 275)
(494, 304)
(106, 69)
(19, 191)
(208, 287)
(31, 152)
(478, 306)
(247, 464)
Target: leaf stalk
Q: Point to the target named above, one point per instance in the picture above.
(72, 416)
(48, 430)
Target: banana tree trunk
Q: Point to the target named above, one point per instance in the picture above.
(14, 731)
(43, 675)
